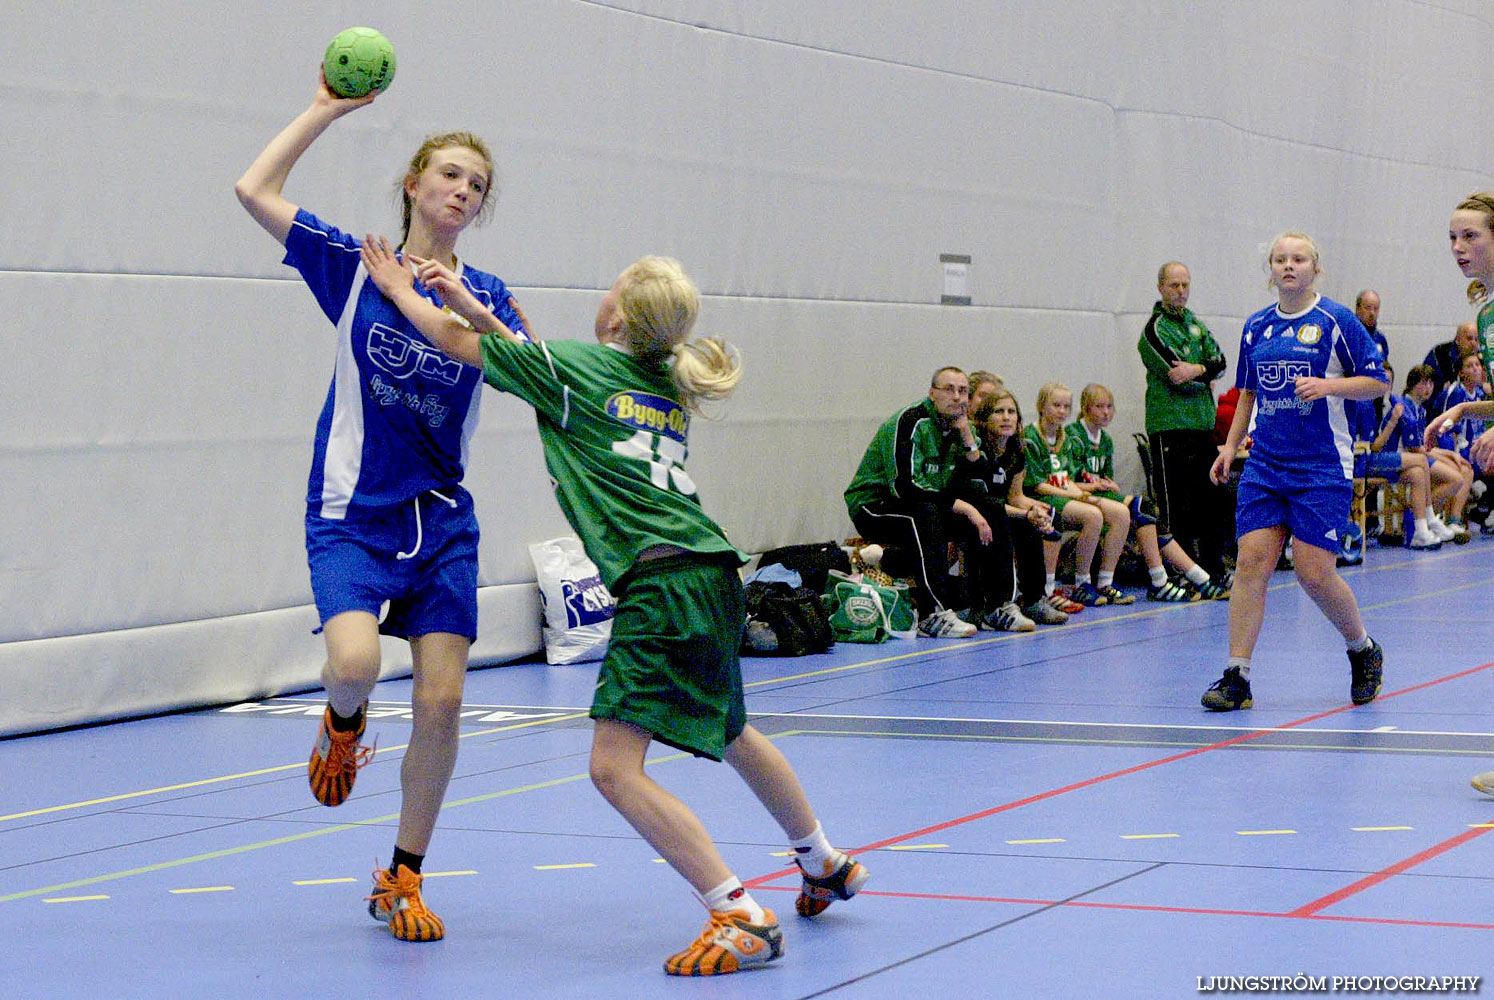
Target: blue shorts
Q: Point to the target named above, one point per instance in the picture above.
(356, 565)
(1315, 514)
(1378, 465)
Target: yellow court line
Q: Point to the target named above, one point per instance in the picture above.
(469, 871)
(206, 888)
(254, 774)
(556, 868)
(1378, 829)
(322, 881)
(1039, 840)
(1149, 836)
(1264, 833)
(73, 899)
(916, 847)
(322, 832)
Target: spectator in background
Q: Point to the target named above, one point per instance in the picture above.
(1367, 308)
(1443, 359)
(904, 497)
(1181, 359)
(983, 385)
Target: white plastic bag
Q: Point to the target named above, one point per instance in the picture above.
(577, 607)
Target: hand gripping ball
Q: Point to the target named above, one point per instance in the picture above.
(358, 62)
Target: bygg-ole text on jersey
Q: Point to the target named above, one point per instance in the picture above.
(615, 439)
(399, 414)
(1297, 439)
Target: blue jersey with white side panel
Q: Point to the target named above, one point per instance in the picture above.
(1299, 442)
(399, 414)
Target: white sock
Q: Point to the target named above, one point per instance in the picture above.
(1158, 575)
(1360, 644)
(1421, 525)
(1242, 662)
(1197, 575)
(1104, 579)
(814, 853)
(1050, 585)
(730, 895)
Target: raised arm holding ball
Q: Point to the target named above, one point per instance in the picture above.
(387, 519)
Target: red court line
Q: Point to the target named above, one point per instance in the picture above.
(762, 881)
(1188, 910)
(1369, 881)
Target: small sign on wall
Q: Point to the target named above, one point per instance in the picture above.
(956, 268)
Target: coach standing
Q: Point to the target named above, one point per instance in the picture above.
(1182, 358)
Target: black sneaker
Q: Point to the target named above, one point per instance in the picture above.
(1228, 693)
(1364, 673)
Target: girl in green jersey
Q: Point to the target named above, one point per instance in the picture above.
(613, 419)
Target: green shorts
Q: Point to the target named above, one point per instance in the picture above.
(672, 665)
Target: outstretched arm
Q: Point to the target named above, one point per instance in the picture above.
(259, 189)
(444, 329)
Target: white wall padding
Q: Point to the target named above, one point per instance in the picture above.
(808, 160)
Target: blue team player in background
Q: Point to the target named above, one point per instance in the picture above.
(1301, 360)
(386, 516)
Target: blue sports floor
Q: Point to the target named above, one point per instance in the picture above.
(1044, 815)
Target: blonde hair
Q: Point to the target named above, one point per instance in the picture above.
(1091, 394)
(1479, 201)
(1047, 392)
(1292, 234)
(658, 305)
(422, 159)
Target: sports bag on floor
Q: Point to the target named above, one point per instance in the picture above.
(785, 621)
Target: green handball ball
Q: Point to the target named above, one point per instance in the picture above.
(358, 62)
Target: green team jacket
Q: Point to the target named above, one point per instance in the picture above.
(1168, 338)
(912, 458)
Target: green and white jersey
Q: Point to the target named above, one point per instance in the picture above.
(615, 441)
(1485, 342)
(1086, 455)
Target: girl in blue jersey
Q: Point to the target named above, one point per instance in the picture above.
(387, 519)
(613, 419)
(1300, 360)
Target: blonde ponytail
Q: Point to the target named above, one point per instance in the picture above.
(705, 369)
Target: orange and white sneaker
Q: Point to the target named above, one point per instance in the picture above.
(818, 892)
(729, 943)
(396, 901)
(335, 761)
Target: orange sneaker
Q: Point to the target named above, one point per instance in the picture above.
(335, 760)
(818, 892)
(396, 901)
(729, 943)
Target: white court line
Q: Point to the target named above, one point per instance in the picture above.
(1118, 725)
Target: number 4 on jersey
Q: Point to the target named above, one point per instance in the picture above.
(665, 457)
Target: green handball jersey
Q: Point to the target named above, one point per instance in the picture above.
(615, 440)
(1485, 342)
(1087, 455)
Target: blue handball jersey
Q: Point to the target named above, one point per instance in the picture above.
(399, 414)
(1304, 442)
(1410, 429)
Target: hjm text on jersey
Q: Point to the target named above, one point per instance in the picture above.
(399, 414)
(1307, 439)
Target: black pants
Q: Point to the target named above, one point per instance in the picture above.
(1200, 514)
(916, 539)
(1027, 547)
(990, 580)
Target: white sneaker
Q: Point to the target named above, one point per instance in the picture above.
(1009, 618)
(946, 625)
(1441, 530)
(1425, 539)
